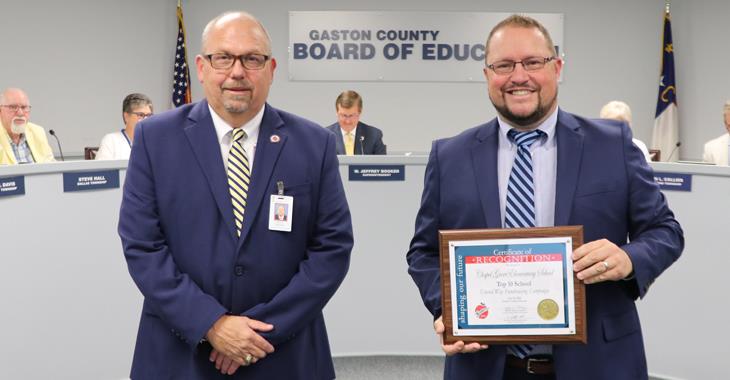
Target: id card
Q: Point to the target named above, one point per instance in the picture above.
(281, 208)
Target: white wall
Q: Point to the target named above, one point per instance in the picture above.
(78, 59)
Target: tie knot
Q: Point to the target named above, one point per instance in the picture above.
(238, 134)
(524, 139)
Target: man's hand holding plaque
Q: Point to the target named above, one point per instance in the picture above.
(507, 286)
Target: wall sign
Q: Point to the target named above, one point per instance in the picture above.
(396, 46)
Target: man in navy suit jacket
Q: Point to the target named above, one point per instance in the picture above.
(366, 139)
(586, 173)
(214, 302)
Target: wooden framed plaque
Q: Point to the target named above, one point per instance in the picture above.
(509, 286)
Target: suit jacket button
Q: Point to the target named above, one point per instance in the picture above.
(239, 270)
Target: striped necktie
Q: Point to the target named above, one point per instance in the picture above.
(239, 176)
(520, 209)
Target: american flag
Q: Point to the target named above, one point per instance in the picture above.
(181, 76)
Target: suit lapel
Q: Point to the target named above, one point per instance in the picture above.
(340, 142)
(204, 142)
(570, 153)
(359, 134)
(484, 158)
(268, 149)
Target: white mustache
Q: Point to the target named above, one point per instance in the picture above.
(18, 128)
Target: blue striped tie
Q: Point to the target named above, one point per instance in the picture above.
(520, 209)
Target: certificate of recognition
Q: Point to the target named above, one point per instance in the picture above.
(512, 286)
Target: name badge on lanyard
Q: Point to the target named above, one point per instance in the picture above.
(281, 210)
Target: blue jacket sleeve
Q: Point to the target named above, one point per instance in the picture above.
(172, 295)
(423, 254)
(656, 239)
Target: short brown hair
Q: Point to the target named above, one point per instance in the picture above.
(349, 98)
(520, 21)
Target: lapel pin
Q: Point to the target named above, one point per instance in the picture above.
(275, 138)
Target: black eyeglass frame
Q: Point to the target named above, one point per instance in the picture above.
(541, 61)
(242, 58)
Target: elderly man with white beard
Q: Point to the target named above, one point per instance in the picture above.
(21, 142)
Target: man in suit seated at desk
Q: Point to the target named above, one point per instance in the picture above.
(21, 142)
(354, 137)
(716, 150)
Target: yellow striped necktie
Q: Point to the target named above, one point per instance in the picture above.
(239, 176)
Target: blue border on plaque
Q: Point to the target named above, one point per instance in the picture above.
(460, 252)
(673, 181)
(12, 186)
(377, 173)
(90, 180)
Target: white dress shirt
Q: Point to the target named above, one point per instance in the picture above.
(114, 146)
(544, 167)
(224, 131)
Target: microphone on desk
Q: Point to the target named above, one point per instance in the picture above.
(362, 149)
(58, 142)
(674, 150)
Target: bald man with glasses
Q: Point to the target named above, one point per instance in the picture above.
(228, 288)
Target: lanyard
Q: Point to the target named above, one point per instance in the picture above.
(126, 138)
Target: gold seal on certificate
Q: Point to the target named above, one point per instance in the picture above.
(547, 309)
(508, 286)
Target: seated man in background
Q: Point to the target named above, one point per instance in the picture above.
(354, 137)
(716, 150)
(21, 142)
(118, 145)
(618, 110)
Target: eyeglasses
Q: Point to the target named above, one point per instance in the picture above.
(529, 64)
(222, 61)
(141, 115)
(16, 107)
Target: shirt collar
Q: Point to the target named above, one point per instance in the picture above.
(223, 129)
(547, 126)
(344, 133)
(21, 140)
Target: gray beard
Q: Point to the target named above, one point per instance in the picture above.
(18, 129)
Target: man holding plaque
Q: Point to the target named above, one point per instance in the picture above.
(537, 165)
